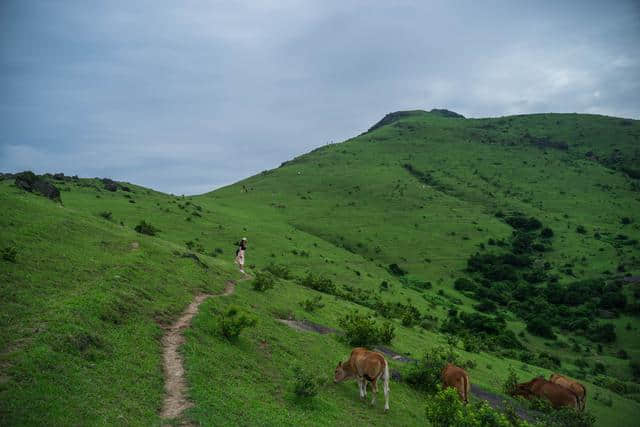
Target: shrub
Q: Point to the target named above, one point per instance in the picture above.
(509, 385)
(425, 374)
(319, 283)
(546, 233)
(385, 286)
(305, 384)
(605, 333)
(580, 229)
(9, 254)
(396, 270)
(362, 330)
(635, 369)
(312, 304)
(445, 409)
(278, 270)
(146, 228)
(568, 417)
(233, 321)
(263, 281)
(463, 284)
(106, 215)
(540, 326)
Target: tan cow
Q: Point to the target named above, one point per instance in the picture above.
(365, 366)
(573, 385)
(539, 387)
(456, 377)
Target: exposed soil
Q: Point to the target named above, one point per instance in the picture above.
(305, 325)
(394, 355)
(175, 386)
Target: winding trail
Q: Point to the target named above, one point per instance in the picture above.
(175, 401)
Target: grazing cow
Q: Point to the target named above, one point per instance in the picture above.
(365, 366)
(539, 387)
(456, 377)
(573, 385)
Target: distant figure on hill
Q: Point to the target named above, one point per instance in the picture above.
(242, 246)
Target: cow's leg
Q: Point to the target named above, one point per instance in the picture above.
(361, 383)
(374, 391)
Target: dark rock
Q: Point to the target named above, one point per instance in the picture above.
(28, 181)
(110, 185)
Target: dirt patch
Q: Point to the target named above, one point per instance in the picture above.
(135, 245)
(394, 355)
(305, 325)
(175, 386)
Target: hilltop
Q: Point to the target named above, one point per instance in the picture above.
(513, 239)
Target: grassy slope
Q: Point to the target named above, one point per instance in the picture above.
(353, 209)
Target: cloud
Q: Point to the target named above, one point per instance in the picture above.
(184, 97)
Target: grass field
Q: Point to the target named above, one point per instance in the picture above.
(84, 302)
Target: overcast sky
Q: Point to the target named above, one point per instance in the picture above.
(188, 96)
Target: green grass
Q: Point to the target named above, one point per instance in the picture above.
(82, 308)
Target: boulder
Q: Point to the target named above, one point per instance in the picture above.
(29, 181)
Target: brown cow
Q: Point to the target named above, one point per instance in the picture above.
(365, 365)
(573, 385)
(456, 377)
(539, 387)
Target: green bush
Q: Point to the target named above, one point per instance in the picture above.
(509, 385)
(9, 254)
(635, 369)
(319, 283)
(445, 409)
(278, 270)
(233, 321)
(263, 281)
(305, 384)
(425, 374)
(313, 304)
(106, 215)
(146, 228)
(540, 326)
(396, 270)
(568, 417)
(362, 330)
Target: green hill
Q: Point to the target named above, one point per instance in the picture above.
(514, 239)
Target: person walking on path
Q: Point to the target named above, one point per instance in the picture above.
(242, 246)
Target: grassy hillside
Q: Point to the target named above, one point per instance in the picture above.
(431, 194)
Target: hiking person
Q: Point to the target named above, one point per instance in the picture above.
(242, 246)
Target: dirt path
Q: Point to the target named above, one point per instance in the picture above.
(175, 386)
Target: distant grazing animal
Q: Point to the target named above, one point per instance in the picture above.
(365, 365)
(573, 385)
(556, 394)
(456, 377)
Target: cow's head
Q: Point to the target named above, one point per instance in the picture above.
(523, 390)
(341, 374)
(526, 389)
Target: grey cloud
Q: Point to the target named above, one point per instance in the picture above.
(185, 97)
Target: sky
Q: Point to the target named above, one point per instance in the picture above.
(188, 96)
